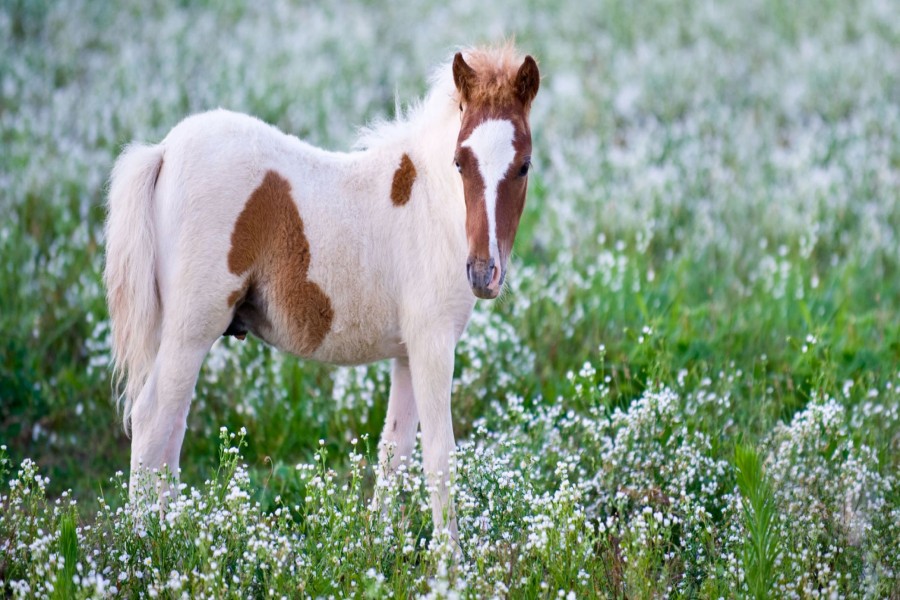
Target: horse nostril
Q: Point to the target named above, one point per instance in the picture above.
(496, 277)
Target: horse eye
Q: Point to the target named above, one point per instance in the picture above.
(524, 170)
(458, 166)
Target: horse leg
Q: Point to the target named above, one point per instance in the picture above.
(431, 366)
(400, 425)
(159, 419)
(401, 422)
(194, 317)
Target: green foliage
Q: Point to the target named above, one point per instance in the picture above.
(68, 553)
(762, 545)
(709, 253)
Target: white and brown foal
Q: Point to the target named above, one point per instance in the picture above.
(230, 226)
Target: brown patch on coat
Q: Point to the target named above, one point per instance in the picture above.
(509, 209)
(269, 243)
(476, 209)
(512, 190)
(404, 176)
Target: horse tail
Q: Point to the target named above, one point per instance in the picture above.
(132, 291)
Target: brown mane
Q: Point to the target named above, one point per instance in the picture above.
(495, 73)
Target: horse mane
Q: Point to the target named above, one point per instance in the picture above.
(495, 66)
(495, 69)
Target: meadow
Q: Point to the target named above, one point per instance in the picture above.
(690, 388)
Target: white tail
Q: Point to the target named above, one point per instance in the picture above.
(131, 285)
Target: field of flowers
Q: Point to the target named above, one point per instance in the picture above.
(691, 387)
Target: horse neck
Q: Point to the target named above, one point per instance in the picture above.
(429, 139)
(433, 142)
(437, 133)
(430, 228)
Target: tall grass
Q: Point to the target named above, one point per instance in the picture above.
(709, 256)
(761, 547)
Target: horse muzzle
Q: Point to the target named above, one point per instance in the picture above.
(485, 277)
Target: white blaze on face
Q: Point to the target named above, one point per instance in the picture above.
(492, 144)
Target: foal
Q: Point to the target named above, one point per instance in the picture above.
(230, 226)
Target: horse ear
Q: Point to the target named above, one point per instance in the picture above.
(463, 76)
(528, 80)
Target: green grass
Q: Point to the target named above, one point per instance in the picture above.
(708, 260)
(761, 546)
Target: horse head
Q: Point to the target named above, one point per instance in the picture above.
(493, 156)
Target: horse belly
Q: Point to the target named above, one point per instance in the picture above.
(356, 341)
(328, 302)
(324, 327)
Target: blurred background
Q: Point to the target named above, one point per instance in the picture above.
(716, 190)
